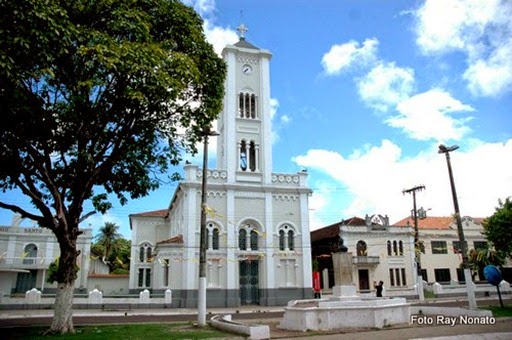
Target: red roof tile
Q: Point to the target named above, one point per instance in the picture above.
(178, 239)
(427, 223)
(333, 229)
(432, 222)
(154, 213)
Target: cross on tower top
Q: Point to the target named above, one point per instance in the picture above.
(242, 29)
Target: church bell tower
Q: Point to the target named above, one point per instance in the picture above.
(245, 146)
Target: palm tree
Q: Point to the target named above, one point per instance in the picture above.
(108, 237)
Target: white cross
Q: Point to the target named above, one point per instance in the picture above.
(242, 29)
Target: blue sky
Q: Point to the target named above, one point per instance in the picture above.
(364, 91)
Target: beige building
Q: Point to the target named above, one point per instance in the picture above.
(26, 253)
(440, 248)
(386, 252)
(258, 244)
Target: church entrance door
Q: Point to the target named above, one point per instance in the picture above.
(364, 281)
(26, 281)
(249, 283)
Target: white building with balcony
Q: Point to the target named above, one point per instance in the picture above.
(26, 253)
(380, 252)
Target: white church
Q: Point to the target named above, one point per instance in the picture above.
(258, 238)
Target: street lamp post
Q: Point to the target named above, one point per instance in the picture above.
(417, 252)
(463, 246)
(201, 294)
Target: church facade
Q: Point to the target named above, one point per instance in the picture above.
(258, 239)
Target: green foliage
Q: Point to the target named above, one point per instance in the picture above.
(316, 265)
(51, 274)
(120, 259)
(95, 96)
(479, 258)
(107, 238)
(53, 271)
(113, 248)
(498, 227)
(120, 271)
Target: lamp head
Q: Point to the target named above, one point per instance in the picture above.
(445, 149)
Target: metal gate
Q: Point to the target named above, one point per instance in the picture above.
(249, 283)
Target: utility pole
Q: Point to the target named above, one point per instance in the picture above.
(201, 294)
(462, 241)
(417, 252)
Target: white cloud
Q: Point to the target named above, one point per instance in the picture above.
(480, 29)
(385, 86)
(427, 116)
(375, 177)
(317, 203)
(490, 77)
(96, 221)
(274, 105)
(203, 7)
(219, 37)
(285, 119)
(343, 56)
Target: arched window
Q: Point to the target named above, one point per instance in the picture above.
(242, 239)
(389, 248)
(247, 105)
(286, 238)
(395, 250)
(145, 254)
(30, 254)
(253, 106)
(254, 240)
(281, 240)
(212, 237)
(243, 155)
(252, 156)
(400, 247)
(215, 239)
(291, 240)
(361, 248)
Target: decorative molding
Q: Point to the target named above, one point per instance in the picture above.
(286, 197)
(396, 261)
(214, 194)
(248, 129)
(245, 194)
(247, 59)
(215, 174)
(285, 178)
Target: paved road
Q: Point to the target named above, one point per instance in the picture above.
(502, 329)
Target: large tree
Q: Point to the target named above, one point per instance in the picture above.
(498, 227)
(98, 97)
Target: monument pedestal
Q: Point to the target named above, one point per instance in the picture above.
(344, 291)
(344, 285)
(345, 309)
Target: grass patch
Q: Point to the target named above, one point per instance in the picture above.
(497, 311)
(128, 331)
(429, 294)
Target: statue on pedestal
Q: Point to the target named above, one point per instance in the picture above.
(342, 264)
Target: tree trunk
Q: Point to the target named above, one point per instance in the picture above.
(66, 275)
(63, 309)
